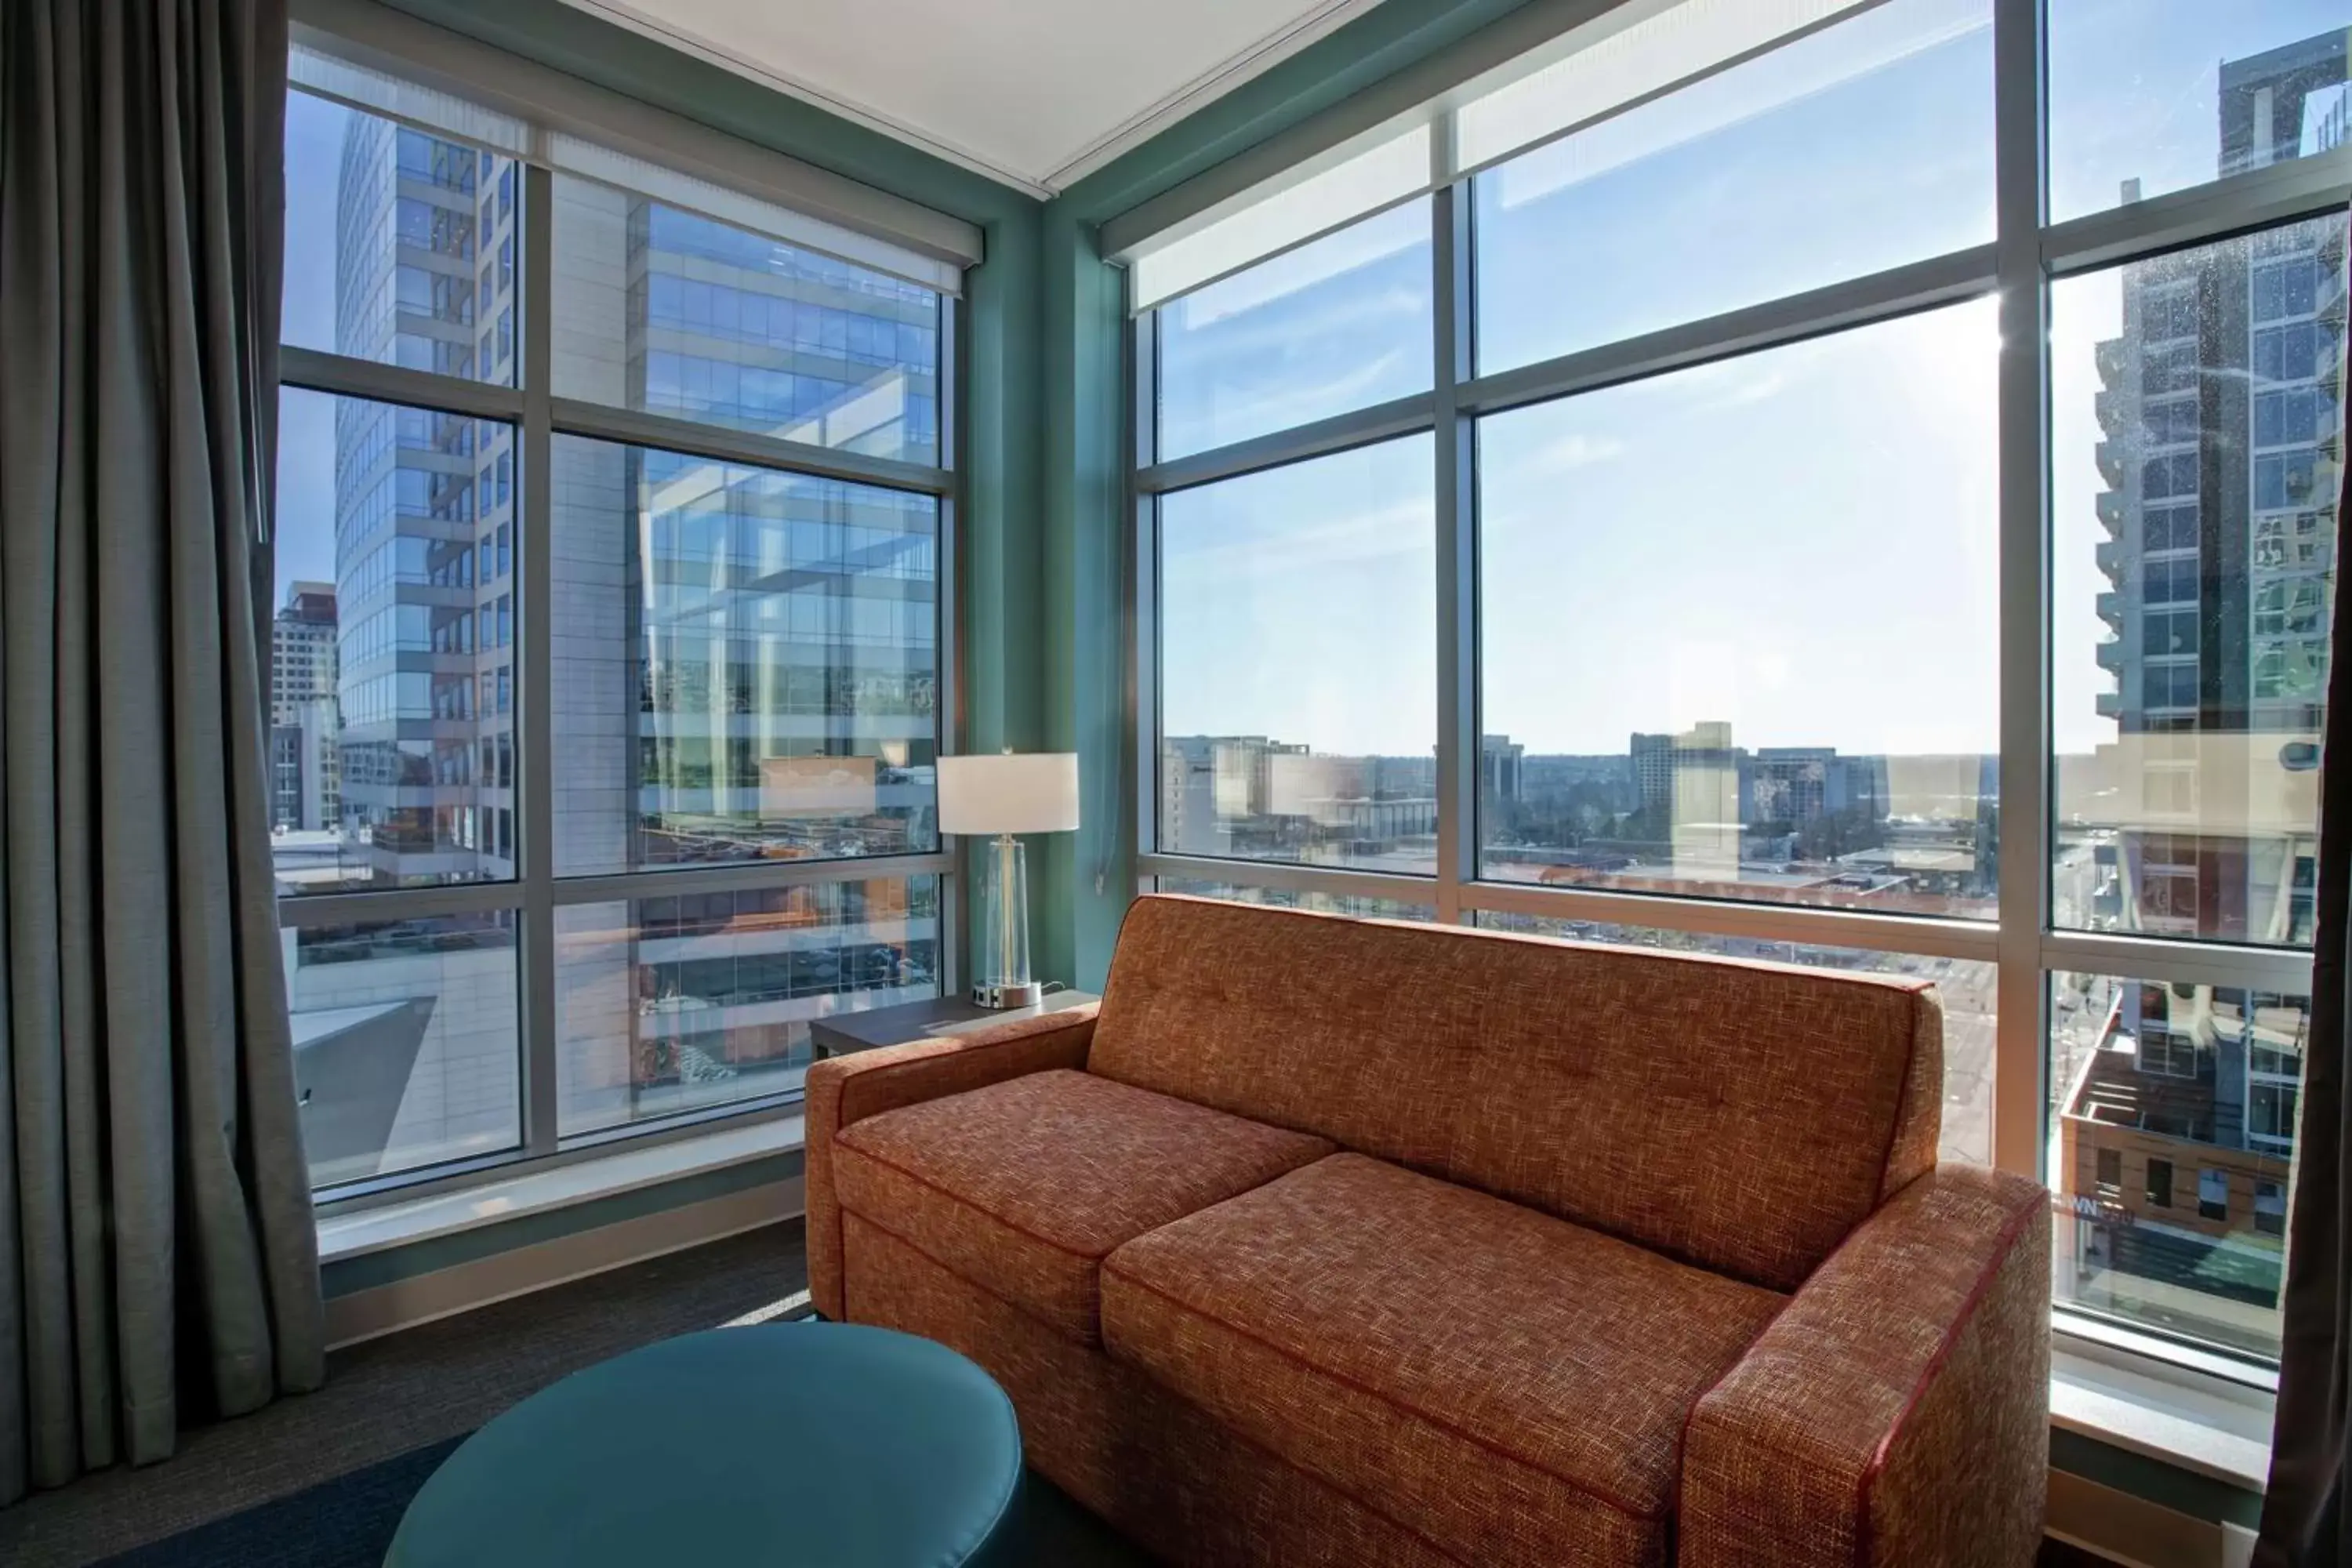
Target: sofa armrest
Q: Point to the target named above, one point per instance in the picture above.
(843, 1090)
(1897, 1410)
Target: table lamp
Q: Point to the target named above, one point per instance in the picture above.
(1002, 796)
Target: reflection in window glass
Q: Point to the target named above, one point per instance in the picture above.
(391, 735)
(383, 241)
(1315, 900)
(1740, 626)
(1967, 989)
(2151, 95)
(407, 1047)
(679, 1004)
(2172, 1143)
(1857, 148)
(746, 663)
(1338, 325)
(666, 311)
(1299, 687)
(2193, 579)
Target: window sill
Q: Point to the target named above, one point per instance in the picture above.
(581, 1181)
(2190, 1419)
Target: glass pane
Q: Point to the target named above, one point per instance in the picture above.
(406, 1050)
(2196, 414)
(672, 1005)
(400, 246)
(1857, 148)
(746, 663)
(2150, 96)
(1967, 988)
(1299, 648)
(2172, 1146)
(666, 311)
(1294, 898)
(392, 649)
(1740, 626)
(1340, 324)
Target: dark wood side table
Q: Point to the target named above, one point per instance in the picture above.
(876, 1026)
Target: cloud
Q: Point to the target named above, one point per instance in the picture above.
(1576, 449)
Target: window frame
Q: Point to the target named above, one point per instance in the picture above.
(537, 891)
(2027, 254)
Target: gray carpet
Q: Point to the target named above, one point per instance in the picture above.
(321, 1479)
(389, 1396)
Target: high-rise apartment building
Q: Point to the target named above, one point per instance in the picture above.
(2222, 414)
(2222, 417)
(425, 513)
(305, 751)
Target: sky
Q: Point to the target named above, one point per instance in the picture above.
(306, 420)
(1800, 541)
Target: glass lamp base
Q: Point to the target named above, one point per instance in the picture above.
(1001, 975)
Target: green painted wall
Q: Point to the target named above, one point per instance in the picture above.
(2153, 1480)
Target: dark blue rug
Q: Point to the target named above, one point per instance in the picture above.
(347, 1522)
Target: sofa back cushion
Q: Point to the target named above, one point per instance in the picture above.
(1743, 1117)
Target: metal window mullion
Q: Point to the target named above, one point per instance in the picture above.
(2282, 193)
(1456, 527)
(1321, 438)
(1856, 302)
(1976, 942)
(1143, 585)
(308, 910)
(535, 686)
(2286, 970)
(2019, 1058)
(577, 416)
(948, 729)
(315, 370)
(1288, 876)
(669, 883)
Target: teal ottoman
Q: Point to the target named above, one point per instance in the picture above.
(829, 1445)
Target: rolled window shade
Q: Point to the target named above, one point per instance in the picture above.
(354, 78)
(397, 98)
(1672, 46)
(1391, 171)
(1569, 91)
(573, 155)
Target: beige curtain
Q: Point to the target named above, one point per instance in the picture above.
(158, 1259)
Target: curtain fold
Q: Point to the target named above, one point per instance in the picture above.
(158, 1254)
(2303, 1510)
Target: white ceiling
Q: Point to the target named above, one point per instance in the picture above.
(1035, 93)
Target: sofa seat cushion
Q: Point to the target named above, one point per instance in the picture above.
(1023, 1186)
(1511, 1387)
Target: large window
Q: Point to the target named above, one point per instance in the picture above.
(1692, 579)
(1300, 686)
(2166, 1078)
(1855, 522)
(607, 686)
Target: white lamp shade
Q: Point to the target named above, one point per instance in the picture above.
(1033, 792)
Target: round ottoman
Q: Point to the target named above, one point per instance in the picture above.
(827, 1443)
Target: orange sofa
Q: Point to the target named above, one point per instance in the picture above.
(1328, 1241)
